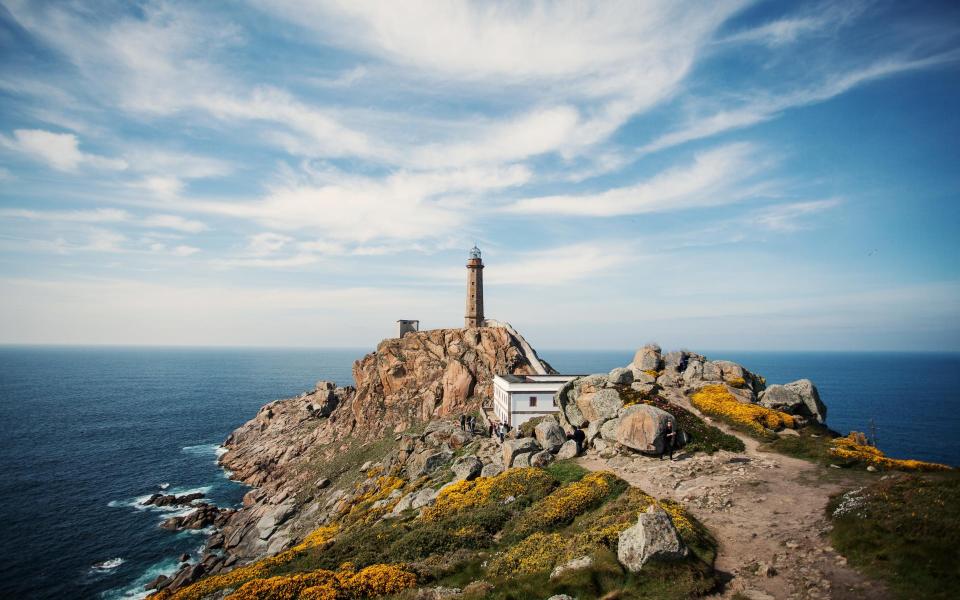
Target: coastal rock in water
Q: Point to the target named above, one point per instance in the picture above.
(641, 427)
(549, 435)
(171, 499)
(511, 448)
(653, 538)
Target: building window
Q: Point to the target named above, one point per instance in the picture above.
(533, 400)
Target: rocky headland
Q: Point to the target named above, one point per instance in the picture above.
(375, 490)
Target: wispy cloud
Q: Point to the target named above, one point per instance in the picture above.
(59, 150)
(714, 177)
(764, 106)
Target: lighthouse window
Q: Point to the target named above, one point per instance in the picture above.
(533, 400)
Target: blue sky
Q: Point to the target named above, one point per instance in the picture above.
(730, 174)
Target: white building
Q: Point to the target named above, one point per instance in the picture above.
(519, 398)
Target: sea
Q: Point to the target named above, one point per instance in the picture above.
(87, 433)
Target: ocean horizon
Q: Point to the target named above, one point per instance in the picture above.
(91, 431)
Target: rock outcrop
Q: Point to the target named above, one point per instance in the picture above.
(797, 398)
(598, 403)
(653, 537)
(422, 377)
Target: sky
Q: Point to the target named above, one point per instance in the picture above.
(730, 174)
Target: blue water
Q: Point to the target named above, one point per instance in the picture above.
(87, 431)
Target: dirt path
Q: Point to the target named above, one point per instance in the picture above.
(767, 513)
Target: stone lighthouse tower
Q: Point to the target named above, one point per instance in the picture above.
(474, 317)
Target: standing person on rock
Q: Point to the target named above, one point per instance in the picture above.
(493, 424)
(669, 437)
(502, 431)
(463, 422)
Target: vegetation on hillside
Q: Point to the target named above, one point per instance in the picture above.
(903, 529)
(503, 534)
(705, 437)
(753, 419)
(821, 445)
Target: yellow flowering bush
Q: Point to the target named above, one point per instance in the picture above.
(737, 382)
(717, 401)
(482, 491)
(538, 552)
(359, 509)
(346, 584)
(854, 447)
(564, 504)
(255, 570)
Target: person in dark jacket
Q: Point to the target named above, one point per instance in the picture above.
(579, 437)
(669, 439)
(463, 422)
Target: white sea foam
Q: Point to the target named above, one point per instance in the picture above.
(164, 485)
(135, 591)
(214, 450)
(108, 565)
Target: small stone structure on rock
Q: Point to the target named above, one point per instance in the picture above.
(405, 326)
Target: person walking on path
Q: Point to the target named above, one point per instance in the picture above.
(669, 437)
(463, 422)
(492, 425)
(502, 431)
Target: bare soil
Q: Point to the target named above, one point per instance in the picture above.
(767, 512)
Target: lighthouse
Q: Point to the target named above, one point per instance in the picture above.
(474, 316)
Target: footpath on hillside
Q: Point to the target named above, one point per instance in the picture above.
(766, 510)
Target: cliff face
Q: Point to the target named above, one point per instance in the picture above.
(431, 374)
(290, 443)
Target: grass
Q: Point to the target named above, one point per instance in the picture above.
(904, 530)
(566, 471)
(706, 437)
(812, 443)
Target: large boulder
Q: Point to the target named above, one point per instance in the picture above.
(641, 427)
(549, 435)
(491, 470)
(620, 376)
(796, 398)
(567, 450)
(466, 468)
(653, 538)
(541, 459)
(427, 462)
(608, 430)
(711, 371)
(512, 448)
(647, 358)
(600, 403)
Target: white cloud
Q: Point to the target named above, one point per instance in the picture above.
(789, 217)
(406, 205)
(97, 215)
(175, 222)
(59, 150)
(267, 242)
(713, 178)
